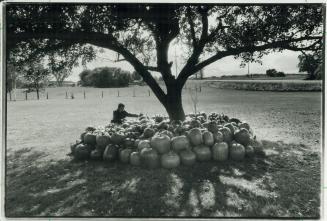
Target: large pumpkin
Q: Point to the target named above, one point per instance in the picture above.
(170, 160)
(237, 151)
(231, 127)
(143, 144)
(111, 153)
(135, 159)
(242, 136)
(220, 151)
(89, 139)
(195, 136)
(228, 137)
(117, 138)
(202, 152)
(166, 132)
(195, 123)
(244, 125)
(102, 140)
(208, 138)
(150, 158)
(188, 157)
(82, 152)
(160, 143)
(180, 143)
(124, 155)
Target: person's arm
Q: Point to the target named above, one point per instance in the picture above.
(131, 115)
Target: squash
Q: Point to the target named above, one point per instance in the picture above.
(96, 154)
(242, 136)
(170, 160)
(188, 157)
(82, 152)
(143, 144)
(135, 159)
(195, 123)
(237, 151)
(218, 137)
(180, 143)
(148, 132)
(249, 151)
(149, 158)
(202, 152)
(124, 155)
(212, 127)
(102, 140)
(195, 136)
(111, 153)
(220, 151)
(161, 143)
(227, 135)
(117, 138)
(89, 139)
(168, 133)
(208, 139)
(244, 125)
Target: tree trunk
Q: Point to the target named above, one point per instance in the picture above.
(37, 94)
(173, 104)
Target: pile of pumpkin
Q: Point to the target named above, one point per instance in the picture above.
(157, 141)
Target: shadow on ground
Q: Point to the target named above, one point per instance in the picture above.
(285, 183)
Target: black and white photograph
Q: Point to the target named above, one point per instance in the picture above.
(163, 109)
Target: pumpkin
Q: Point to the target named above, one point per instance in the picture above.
(129, 142)
(167, 132)
(136, 142)
(257, 146)
(249, 151)
(96, 154)
(135, 159)
(149, 158)
(242, 136)
(102, 140)
(231, 127)
(180, 143)
(237, 151)
(220, 151)
(162, 126)
(82, 136)
(227, 135)
(187, 157)
(195, 136)
(160, 143)
(218, 137)
(117, 138)
(90, 129)
(82, 152)
(170, 160)
(179, 130)
(212, 127)
(244, 125)
(89, 139)
(202, 152)
(208, 139)
(235, 120)
(195, 123)
(111, 153)
(143, 144)
(124, 155)
(148, 132)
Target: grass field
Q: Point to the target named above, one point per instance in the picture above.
(43, 181)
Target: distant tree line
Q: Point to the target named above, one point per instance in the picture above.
(274, 73)
(104, 77)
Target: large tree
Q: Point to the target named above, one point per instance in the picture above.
(311, 63)
(143, 33)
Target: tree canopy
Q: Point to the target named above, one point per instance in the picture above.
(143, 33)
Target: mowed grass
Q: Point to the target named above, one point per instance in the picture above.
(43, 181)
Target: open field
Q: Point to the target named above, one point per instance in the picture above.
(42, 180)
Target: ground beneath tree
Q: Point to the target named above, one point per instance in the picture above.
(42, 181)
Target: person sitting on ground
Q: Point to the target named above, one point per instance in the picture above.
(120, 114)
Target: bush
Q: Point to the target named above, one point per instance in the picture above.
(105, 77)
(274, 73)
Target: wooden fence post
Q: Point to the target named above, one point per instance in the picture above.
(47, 96)
(10, 95)
(26, 95)
(66, 95)
(102, 94)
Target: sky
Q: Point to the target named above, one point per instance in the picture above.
(285, 61)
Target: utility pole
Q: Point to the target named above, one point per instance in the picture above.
(248, 69)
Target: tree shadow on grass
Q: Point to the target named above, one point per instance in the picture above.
(285, 183)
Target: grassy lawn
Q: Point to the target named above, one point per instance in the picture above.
(43, 181)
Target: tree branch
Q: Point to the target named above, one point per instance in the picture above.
(235, 51)
(191, 23)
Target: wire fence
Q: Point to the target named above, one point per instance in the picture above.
(88, 93)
